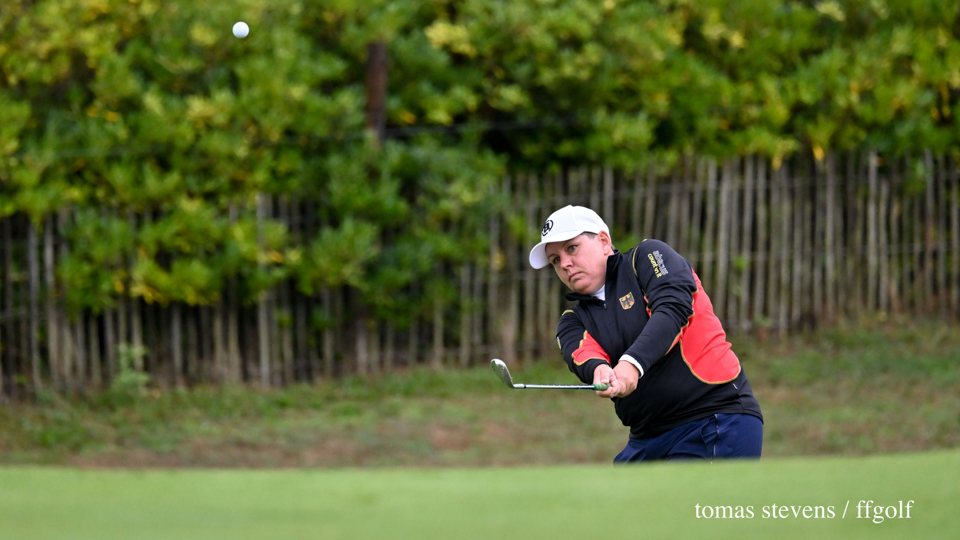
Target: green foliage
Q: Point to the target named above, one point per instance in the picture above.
(130, 383)
(159, 128)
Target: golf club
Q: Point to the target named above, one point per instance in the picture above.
(500, 368)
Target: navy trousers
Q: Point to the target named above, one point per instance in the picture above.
(717, 436)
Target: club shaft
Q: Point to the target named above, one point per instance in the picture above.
(557, 386)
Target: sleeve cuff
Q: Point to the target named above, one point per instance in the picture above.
(633, 361)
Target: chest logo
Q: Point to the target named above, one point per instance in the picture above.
(627, 301)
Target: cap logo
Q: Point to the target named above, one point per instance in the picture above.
(547, 227)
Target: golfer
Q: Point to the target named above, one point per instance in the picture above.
(643, 323)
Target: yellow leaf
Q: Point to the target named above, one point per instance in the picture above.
(455, 37)
(817, 152)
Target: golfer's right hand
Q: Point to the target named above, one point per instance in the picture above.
(605, 374)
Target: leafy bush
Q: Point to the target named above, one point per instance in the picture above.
(160, 130)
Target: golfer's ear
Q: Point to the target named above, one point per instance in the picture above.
(604, 238)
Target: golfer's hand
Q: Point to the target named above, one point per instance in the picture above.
(623, 379)
(627, 377)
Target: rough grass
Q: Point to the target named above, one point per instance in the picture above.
(872, 388)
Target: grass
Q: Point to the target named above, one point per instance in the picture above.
(556, 502)
(879, 387)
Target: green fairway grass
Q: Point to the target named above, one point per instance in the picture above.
(588, 501)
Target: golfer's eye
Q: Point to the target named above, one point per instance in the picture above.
(555, 260)
(571, 248)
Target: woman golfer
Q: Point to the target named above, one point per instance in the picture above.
(643, 323)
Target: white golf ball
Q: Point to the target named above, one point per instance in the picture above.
(241, 29)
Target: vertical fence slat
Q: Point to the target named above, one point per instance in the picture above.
(176, 344)
(955, 236)
(528, 317)
(390, 347)
(81, 375)
(763, 252)
(305, 365)
(896, 246)
(810, 254)
(686, 223)
(797, 203)
(507, 330)
(54, 355)
(721, 289)
(326, 334)
(286, 330)
(33, 265)
(883, 243)
(747, 252)
(649, 211)
(496, 262)
(872, 245)
(709, 258)
(698, 243)
(192, 358)
(466, 342)
(830, 211)
(673, 211)
(819, 240)
(902, 242)
(413, 331)
(636, 205)
(784, 244)
(920, 273)
(608, 194)
(339, 340)
(263, 328)
(9, 350)
(941, 236)
(96, 352)
(286, 308)
(857, 241)
(234, 360)
(71, 340)
(929, 298)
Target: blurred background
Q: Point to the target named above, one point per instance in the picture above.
(304, 246)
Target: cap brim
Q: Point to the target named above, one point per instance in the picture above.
(538, 255)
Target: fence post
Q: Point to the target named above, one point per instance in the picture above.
(263, 328)
(763, 251)
(954, 198)
(747, 252)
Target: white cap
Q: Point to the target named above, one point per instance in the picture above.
(562, 225)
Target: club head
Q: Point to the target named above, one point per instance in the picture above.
(501, 370)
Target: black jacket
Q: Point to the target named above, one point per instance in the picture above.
(657, 312)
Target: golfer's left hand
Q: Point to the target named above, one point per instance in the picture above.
(623, 381)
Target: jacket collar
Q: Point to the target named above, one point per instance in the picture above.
(613, 262)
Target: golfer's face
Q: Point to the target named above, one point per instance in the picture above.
(581, 262)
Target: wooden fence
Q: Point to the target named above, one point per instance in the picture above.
(783, 248)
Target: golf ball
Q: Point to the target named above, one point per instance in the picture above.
(241, 29)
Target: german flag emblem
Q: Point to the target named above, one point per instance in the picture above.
(627, 301)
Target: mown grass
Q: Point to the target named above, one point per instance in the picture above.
(659, 500)
(876, 387)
